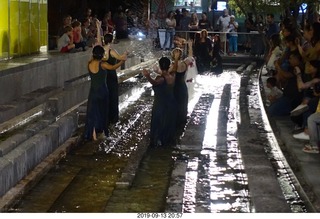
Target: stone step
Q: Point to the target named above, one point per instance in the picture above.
(12, 141)
(25, 103)
(18, 163)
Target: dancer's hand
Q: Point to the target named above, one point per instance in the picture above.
(176, 54)
(145, 72)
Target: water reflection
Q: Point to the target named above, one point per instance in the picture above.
(215, 180)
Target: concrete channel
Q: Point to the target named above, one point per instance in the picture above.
(58, 130)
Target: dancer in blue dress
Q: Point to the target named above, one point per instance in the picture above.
(98, 99)
(112, 57)
(163, 119)
(181, 92)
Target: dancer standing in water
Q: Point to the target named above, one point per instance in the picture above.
(163, 119)
(98, 100)
(112, 57)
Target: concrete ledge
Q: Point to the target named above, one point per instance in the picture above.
(51, 69)
(35, 175)
(18, 163)
(27, 102)
(13, 141)
(68, 98)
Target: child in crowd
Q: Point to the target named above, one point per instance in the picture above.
(65, 42)
(275, 53)
(274, 92)
(77, 36)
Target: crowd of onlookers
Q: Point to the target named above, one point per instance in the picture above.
(77, 34)
(293, 64)
(123, 22)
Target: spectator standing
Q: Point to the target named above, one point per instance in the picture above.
(194, 23)
(249, 24)
(202, 51)
(233, 36)
(178, 17)
(212, 8)
(152, 26)
(204, 22)
(185, 20)
(170, 30)
(272, 26)
(192, 7)
(257, 44)
(223, 23)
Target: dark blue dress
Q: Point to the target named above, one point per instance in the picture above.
(163, 119)
(181, 95)
(97, 106)
(112, 82)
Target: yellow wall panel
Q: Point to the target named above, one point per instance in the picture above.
(43, 19)
(14, 15)
(4, 27)
(25, 21)
(23, 27)
(34, 26)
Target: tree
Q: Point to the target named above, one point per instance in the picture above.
(285, 8)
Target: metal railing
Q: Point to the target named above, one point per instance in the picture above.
(243, 37)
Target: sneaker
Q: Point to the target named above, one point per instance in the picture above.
(297, 129)
(299, 110)
(302, 136)
(310, 149)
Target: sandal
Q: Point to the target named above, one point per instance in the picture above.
(310, 149)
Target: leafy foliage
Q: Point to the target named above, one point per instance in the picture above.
(243, 7)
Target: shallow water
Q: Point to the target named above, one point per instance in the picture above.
(214, 181)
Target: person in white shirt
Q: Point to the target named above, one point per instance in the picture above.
(233, 36)
(223, 23)
(65, 42)
(170, 30)
(274, 92)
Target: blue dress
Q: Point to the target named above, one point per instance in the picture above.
(112, 82)
(163, 119)
(181, 95)
(97, 106)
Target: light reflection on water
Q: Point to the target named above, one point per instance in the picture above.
(214, 182)
(225, 173)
